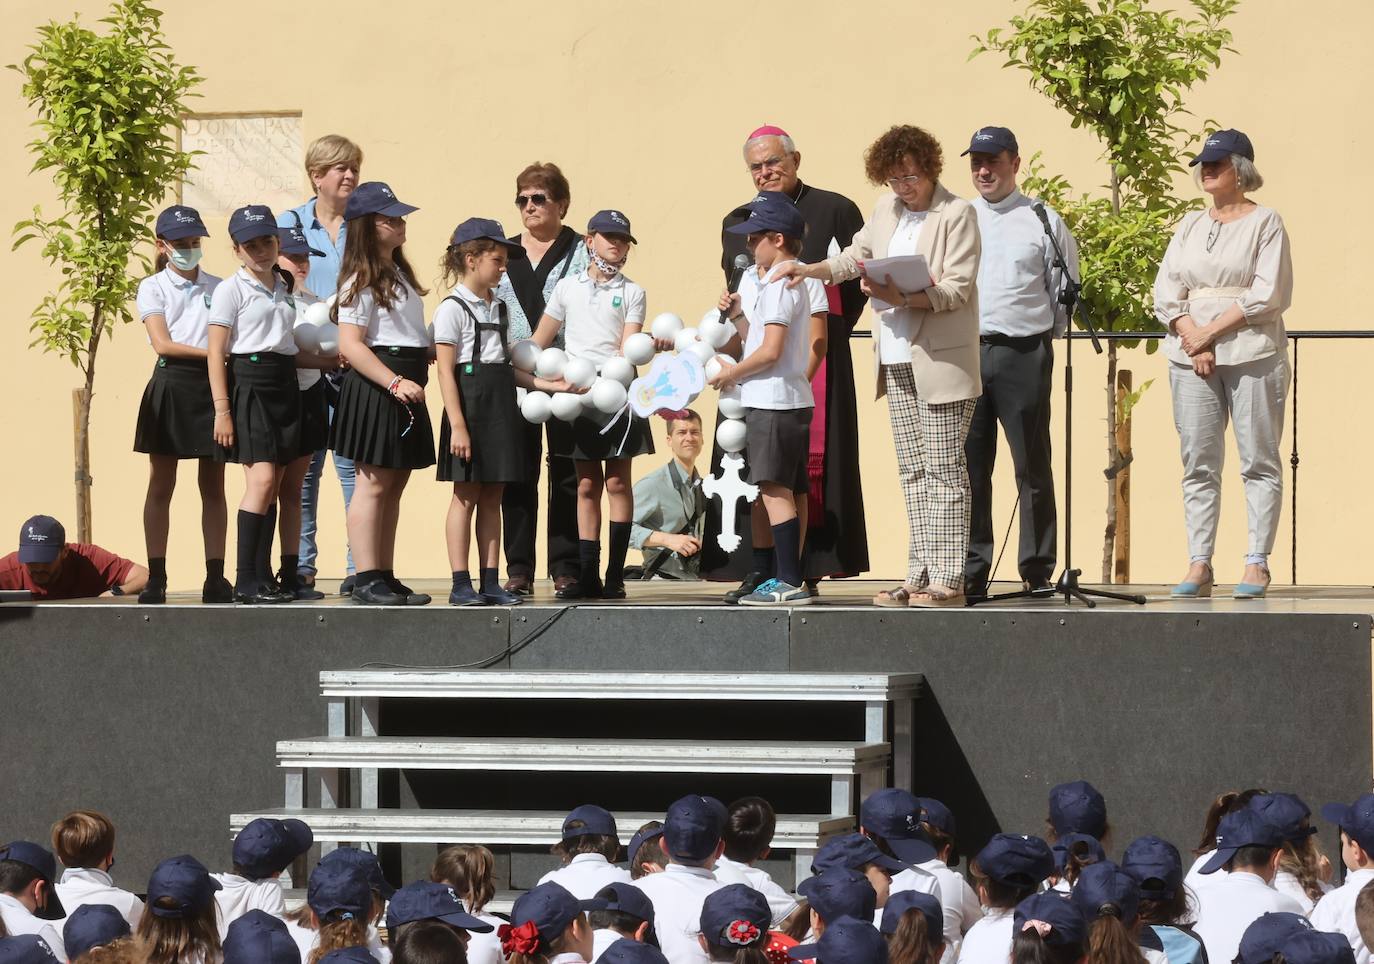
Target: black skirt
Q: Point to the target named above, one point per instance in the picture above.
(265, 405)
(494, 424)
(369, 422)
(584, 440)
(314, 418)
(177, 415)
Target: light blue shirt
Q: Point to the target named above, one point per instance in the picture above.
(324, 272)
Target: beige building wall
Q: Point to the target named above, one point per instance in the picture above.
(645, 106)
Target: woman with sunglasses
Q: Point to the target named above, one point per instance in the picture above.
(553, 252)
(1221, 291)
(381, 422)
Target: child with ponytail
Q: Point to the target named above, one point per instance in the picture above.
(180, 925)
(1048, 928)
(914, 925)
(340, 901)
(1109, 899)
(546, 923)
(1007, 871)
(470, 870)
(734, 925)
(1164, 904)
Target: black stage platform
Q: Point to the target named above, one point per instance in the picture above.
(167, 718)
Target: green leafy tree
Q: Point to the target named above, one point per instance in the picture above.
(109, 105)
(1122, 69)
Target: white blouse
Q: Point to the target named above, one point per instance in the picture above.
(1210, 266)
(400, 326)
(895, 324)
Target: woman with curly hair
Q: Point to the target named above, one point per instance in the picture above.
(926, 356)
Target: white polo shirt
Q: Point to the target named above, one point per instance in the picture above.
(1336, 913)
(958, 902)
(454, 326)
(258, 320)
(306, 941)
(602, 938)
(1230, 905)
(594, 314)
(87, 885)
(782, 385)
(1288, 883)
(750, 285)
(19, 920)
(238, 895)
(677, 895)
(482, 948)
(780, 902)
(184, 305)
(989, 940)
(400, 326)
(585, 874)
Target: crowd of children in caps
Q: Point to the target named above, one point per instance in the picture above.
(237, 380)
(1259, 892)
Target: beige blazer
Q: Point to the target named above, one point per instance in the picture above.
(944, 348)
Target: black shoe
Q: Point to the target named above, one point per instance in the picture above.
(813, 586)
(346, 587)
(376, 594)
(217, 591)
(1038, 587)
(153, 594)
(520, 584)
(411, 597)
(292, 584)
(577, 589)
(502, 597)
(262, 595)
(466, 596)
(751, 582)
(613, 591)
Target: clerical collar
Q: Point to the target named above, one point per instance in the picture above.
(801, 189)
(1007, 203)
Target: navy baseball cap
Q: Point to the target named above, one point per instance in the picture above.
(589, 819)
(26, 949)
(257, 938)
(610, 221)
(349, 955)
(294, 241)
(840, 892)
(640, 839)
(1077, 807)
(1286, 812)
(374, 197)
(550, 908)
(41, 539)
(937, 815)
(266, 846)
(894, 815)
(92, 925)
(1244, 828)
(40, 860)
(735, 916)
(366, 862)
(1357, 820)
(252, 221)
(426, 900)
(853, 851)
(1054, 916)
(186, 882)
(692, 827)
(178, 222)
(627, 951)
(846, 941)
(1086, 847)
(992, 140)
(340, 889)
(905, 900)
(1105, 889)
(1016, 859)
(771, 211)
(627, 899)
(1222, 145)
(485, 229)
(1156, 866)
(1317, 947)
(1267, 934)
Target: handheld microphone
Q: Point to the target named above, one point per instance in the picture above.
(1039, 208)
(741, 265)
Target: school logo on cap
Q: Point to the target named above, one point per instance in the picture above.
(35, 536)
(184, 218)
(452, 894)
(386, 190)
(619, 218)
(912, 821)
(982, 137)
(251, 216)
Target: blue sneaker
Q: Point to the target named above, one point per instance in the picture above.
(502, 597)
(775, 592)
(466, 596)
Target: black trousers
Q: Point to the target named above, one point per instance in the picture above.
(520, 511)
(1017, 376)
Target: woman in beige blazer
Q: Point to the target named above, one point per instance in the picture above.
(925, 353)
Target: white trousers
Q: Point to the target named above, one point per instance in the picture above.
(1251, 396)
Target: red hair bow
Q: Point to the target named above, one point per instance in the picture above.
(519, 940)
(742, 932)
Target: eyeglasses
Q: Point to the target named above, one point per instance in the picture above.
(906, 180)
(521, 200)
(767, 162)
(1212, 235)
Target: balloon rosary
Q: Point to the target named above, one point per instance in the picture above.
(314, 332)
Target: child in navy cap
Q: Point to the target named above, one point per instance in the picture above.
(914, 925)
(470, 870)
(424, 900)
(748, 835)
(1110, 900)
(27, 899)
(340, 906)
(1228, 802)
(645, 853)
(547, 922)
(588, 847)
(180, 922)
(1336, 911)
(692, 842)
(626, 951)
(1267, 934)
(262, 850)
(846, 941)
(258, 937)
(1072, 852)
(1078, 807)
(1010, 868)
(957, 898)
(1048, 928)
(1164, 906)
(734, 925)
(894, 820)
(856, 852)
(91, 926)
(835, 893)
(627, 914)
(1304, 872)
(26, 949)
(1248, 848)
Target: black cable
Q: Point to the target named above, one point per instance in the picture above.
(487, 661)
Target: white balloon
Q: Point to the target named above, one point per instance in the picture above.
(730, 435)
(711, 314)
(718, 335)
(307, 337)
(537, 407)
(686, 338)
(524, 355)
(579, 372)
(702, 350)
(318, 313)
(551, 363)
(567, 406)
(639, 348)
(709, 330)
(328, 337)
(618, 369)
(588, 404)
(730, 407)
(666, 326)
(609, 396)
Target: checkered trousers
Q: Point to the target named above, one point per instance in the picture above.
(933, 470)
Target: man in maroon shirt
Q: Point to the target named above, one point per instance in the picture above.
(49, 567)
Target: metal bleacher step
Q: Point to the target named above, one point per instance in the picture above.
(501, 903)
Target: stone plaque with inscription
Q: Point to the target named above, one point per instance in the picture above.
(247, 159)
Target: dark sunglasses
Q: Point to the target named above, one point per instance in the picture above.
(521, 200)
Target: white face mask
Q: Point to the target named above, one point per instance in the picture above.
(184, 258)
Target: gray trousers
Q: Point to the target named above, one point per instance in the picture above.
(1251, 396)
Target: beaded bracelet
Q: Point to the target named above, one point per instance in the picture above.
(391, 389)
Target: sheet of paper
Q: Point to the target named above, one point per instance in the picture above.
(909, 273)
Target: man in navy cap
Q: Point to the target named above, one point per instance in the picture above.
(1248, 848)
(50, 567)
(1336, 911)
(28, 902)
(692, 840)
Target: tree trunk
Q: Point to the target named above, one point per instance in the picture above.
(1109, 536)
(81, 403)
(1123, 480)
